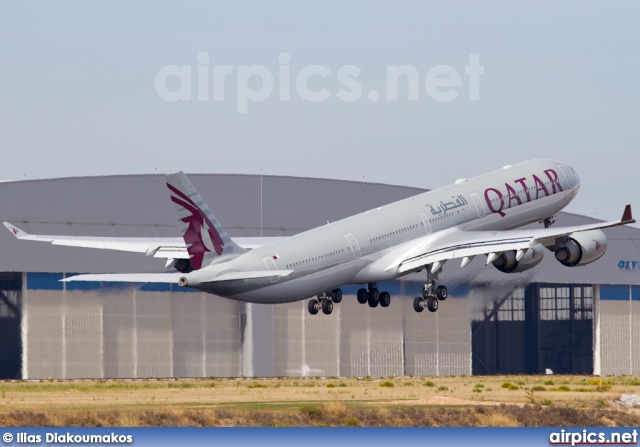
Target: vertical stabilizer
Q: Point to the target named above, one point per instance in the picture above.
(205, 238)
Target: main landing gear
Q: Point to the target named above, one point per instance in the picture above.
(431, 295)
(325, 302)
(373, 297)
(549, 221)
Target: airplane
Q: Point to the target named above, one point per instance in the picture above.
(470, 218)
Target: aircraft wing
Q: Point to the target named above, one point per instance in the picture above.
(160, 247)
(455, 243)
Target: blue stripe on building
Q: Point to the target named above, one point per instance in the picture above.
(44, 281)
(614, 293)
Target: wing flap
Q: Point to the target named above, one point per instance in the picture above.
(122, 244)
(462, 251)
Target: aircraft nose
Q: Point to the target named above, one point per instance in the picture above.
(574, 178)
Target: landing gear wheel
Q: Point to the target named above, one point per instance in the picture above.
(327, 307)
(373, 298)
(417, 304)
(313, 307)
(385, 299)
(362, 296)
(442, 293)
(336, 295)
(432, 303)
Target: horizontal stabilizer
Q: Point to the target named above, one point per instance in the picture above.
(128, 277)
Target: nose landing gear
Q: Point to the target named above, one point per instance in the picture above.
(431, 295)
(431, 303)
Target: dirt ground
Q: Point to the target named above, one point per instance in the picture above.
(393, 401)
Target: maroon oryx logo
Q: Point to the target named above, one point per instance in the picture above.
(201, 236)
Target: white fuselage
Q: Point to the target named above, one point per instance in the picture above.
(349, 251)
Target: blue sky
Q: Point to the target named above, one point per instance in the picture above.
(78, 96)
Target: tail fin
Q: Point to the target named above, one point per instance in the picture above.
(205, 238)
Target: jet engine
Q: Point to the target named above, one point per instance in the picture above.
(183, 266)
(582, 248)
(507, 262)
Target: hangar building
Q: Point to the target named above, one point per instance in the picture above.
(571, 320)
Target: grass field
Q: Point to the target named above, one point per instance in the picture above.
(416, 401)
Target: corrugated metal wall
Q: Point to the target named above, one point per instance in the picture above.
(127, 332)
(357, 340)
(134, 332)
(617, 350)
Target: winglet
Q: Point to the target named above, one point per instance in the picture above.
(17, 232)
(627, 216)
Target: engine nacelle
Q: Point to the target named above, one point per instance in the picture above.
(183, 265)
(507, 262)
(582, 248)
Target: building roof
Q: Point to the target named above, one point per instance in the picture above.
(139, 206)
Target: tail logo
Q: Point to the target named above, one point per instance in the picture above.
(201, 236)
